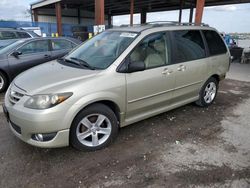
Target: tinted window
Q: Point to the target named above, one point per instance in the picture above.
(35, 47)
(189, 45)
(23, 35)
(152, 50)
(8, 35)
(215, 43)
(61, 44)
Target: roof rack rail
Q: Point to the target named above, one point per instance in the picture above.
(5, 28)
(128, 25)
(164, 23)
(177, 23)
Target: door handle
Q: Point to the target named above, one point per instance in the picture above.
(46, 56)
(167, 71)
(181, 68)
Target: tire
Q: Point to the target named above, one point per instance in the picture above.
(3, 82)
(94, 128)
(208, 92)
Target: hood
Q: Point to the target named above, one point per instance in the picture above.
(50, 75)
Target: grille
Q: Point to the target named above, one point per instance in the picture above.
(14, 96)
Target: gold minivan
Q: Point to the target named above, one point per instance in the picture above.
(117, 78)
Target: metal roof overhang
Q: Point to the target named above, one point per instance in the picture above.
(43, 3)
(121, 7)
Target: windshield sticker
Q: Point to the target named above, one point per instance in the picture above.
(129, 35)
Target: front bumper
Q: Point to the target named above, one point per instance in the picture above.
(60, 140)
(26, 122)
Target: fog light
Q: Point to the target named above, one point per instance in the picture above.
(43, 137)
(39, 137)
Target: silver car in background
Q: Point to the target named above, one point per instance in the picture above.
(117, 78)
(9, 35)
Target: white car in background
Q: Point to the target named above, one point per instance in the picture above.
(36, 30)
(10, 35)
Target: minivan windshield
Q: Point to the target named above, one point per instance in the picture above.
(102, 50)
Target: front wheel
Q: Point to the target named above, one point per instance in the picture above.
(3, 82)
(93, 128)
(208, 92)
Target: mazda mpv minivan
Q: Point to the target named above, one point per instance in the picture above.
(117, 78)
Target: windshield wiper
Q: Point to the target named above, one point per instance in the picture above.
(82, 62)
(69, 61)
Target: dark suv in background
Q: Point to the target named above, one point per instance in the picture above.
(26, 53)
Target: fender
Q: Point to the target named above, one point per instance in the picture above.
(86, 100)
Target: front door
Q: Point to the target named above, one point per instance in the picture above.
(151, 90)
(32, 53)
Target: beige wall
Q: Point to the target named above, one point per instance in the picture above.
(52, 19)
(69, 16)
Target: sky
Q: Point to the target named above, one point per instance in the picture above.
(228, 18)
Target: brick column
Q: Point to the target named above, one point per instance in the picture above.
(59, 18)
(199, 11)
(99, 12)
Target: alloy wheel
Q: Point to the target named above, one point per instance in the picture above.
(210, 92)
(93, 130)
(1, 82)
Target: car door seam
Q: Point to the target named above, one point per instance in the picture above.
(150, 96)
(187, 85)
(163, 92)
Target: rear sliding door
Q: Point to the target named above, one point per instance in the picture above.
(191, 64)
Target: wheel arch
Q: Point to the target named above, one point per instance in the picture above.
(109, 103)
(6, 75)
(112, 105)
(216, 76)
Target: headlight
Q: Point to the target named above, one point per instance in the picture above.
(46, 101)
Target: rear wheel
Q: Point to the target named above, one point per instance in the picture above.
(3, 82)
(208, 92)
(93, 128)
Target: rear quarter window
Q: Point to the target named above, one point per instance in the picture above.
(216, 45)
(23, 35)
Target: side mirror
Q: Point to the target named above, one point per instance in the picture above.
(16, 54)
(136, 66)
